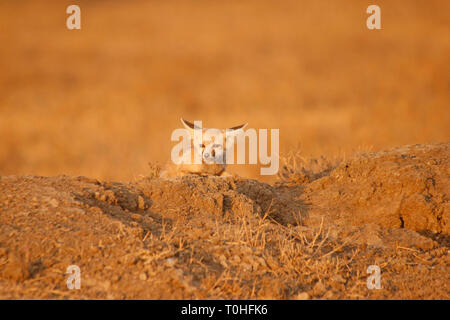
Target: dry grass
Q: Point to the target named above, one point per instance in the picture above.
(200, 238)
(250, 258)
(298, 169)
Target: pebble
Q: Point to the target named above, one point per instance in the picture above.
(302, 296)
(136, 217)
(54, 203)
(319, 288)
(143, 276)
(141, 203)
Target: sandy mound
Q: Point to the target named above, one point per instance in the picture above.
(406, 187)
(210, 237)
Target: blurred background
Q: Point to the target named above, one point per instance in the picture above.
(102, 101)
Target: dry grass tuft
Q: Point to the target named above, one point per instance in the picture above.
(298, 169)
(154, 170)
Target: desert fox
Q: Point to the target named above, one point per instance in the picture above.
(211, 153)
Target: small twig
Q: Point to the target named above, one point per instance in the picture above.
(426, 261)
(268, 210)
(414, 250)
(317, 234)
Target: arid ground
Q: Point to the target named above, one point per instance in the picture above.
(85, 123)
(311, 235)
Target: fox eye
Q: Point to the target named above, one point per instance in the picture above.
(202, 146)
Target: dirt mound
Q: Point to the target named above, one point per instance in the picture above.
(407, 187)
(191, 195)
(212, 237)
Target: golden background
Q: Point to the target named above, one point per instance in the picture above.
(102, 101)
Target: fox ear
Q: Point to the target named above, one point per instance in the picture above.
(235, 131)
(242, 126)
(188, 125)
(191, 126)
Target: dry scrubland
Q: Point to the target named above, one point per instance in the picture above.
(213, 238)
(102, 103)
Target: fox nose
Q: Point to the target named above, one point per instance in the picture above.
(206, 155)
(213, 153)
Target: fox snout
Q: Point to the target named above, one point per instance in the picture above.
(214, 154)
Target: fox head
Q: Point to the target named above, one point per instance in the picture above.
(211, 144)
